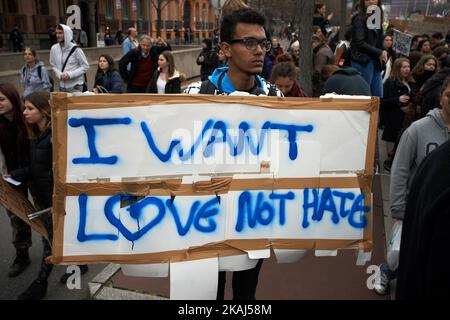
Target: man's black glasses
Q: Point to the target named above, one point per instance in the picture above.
(252, 43)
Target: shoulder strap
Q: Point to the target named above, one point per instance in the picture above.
(39, 71)
(67, 59)
(23, 71)
(207, 87)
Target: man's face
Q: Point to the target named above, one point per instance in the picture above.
(248, 61)
(134, 33)
(145, 45)
(60, 35)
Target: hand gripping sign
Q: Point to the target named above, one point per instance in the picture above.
(174, 178)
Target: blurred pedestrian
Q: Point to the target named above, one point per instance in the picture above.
(431, 88)
(39, 175)
(320, 19)
(34, 76)
(423, 266)
(166, 79)
(424, 70)
(143, 62)
(107, 78)
(52, 35)
(367, 52)
(16, 38)
(284, 76)
(416, 143)
(348, 81)
(69, 62)
(14, 154)
(131, 42)
(208, 59)
(399, 90)
(391, 54)
(119, 37)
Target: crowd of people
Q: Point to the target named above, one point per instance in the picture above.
(414, 93)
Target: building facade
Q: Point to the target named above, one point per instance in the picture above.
(177, 18)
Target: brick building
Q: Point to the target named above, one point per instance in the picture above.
(36, 16)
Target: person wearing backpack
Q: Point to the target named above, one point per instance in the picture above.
(68, 62)
(34, 75)
(244, 43)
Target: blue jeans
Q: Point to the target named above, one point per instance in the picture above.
(372, 74)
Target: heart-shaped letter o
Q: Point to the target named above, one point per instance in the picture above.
(135, 211)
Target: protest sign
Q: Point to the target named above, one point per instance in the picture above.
(402, 42)
(18, 204)
(167, 178)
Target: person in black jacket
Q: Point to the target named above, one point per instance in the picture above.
(16, 39)
(319, 17)
(432, 87)
(366, 50)
(14, 152)
(347, 80)
(107, 78)
(399, 90)
(423, 266)
(143, 62)
(39, 175)
(207, 59)
(166, 78)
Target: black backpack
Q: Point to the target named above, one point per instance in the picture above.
(39, 71)
(207, 87)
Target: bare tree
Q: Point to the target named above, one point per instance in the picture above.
(159, 6)
(306, 11)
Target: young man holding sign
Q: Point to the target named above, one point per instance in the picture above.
(244, 43)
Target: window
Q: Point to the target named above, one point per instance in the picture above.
(10, 6)
(142, 9)
(177, 7)
(197, 12)
(109, 9)
(42, 7)
(166, 8)
(126, 9)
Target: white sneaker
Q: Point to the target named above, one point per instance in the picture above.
(381, 284)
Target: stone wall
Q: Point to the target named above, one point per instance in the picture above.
(11, 63)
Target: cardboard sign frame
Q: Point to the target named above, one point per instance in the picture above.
(61, 103)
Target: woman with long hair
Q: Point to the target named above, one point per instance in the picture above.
(391, 54)
(319, 18)
(34, 75)
(399, 90)
(366, 51)
(14, 153)
(107, 78)
(166, 78)
(39, 176)
(284, 76)
(424, 69)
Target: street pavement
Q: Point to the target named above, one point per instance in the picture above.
(10, 288)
